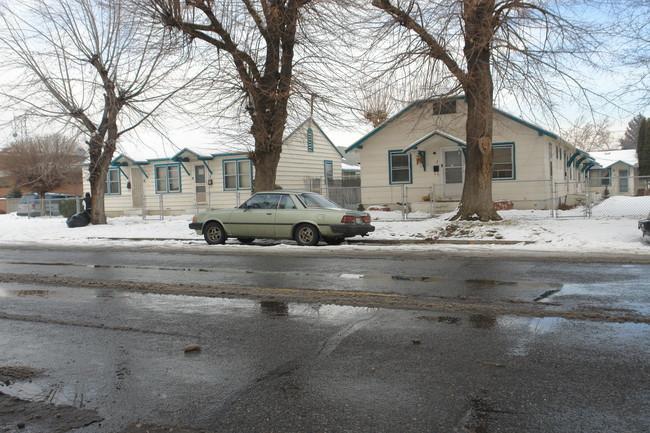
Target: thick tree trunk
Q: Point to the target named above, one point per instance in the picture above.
(476, 201)
(266, 167)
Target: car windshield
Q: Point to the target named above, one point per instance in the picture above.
(314, 200)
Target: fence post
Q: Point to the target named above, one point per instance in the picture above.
(144, 207)
(162, 216)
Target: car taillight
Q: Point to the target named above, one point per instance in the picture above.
(366, 219)
(194, 219)
(347, 219)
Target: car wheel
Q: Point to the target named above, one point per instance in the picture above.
(333, 241)
(246, 240)
(214, 233)
(307, 234)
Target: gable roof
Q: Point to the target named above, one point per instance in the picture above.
(610, 157)
(358, 143)
(438, 133)
(312, 123)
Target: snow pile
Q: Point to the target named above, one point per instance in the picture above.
(612, 235)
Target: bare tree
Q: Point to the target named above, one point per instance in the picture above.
(43, 163)
(590, 136)
(480, 47)
(90, 66)
(258, 40)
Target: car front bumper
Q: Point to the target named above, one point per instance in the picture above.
(644, 226)
(351, 229)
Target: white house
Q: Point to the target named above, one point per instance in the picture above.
(616, 173)
(417, 156)
(189, 181)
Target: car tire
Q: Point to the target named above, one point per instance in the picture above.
(306, 235)
(333, 241)
(246, 240)
(214, 234)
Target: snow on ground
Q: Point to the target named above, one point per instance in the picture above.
(612, 229)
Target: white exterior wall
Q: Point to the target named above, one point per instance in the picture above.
(531, 186)
(295, 166)
(298, 164)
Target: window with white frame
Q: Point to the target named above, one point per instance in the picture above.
(112, 185)
(503, 161)
(599, 177)
(237, 174)
(168, 178)
(400, 167)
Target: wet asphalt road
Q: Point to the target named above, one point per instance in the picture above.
(269, 366)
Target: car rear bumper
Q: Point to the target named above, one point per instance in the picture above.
(196, 226)
(644, 226)
(351, 229)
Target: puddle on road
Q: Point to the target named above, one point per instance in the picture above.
(54, 394)
(472, 283)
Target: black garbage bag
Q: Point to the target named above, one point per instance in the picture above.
(80, 219)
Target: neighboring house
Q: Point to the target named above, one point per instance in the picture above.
(418, 155)
(189, 181)
(616, 173)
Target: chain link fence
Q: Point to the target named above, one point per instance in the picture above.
(537, 199)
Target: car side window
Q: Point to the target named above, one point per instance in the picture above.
(263, 201)
(286, 202)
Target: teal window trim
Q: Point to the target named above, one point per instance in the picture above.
(107, 187)
(510, 144)
(310, 140)
(142, 170)
(206, 166)
(122, 171)
(167, 189)
(390, 167)
(325, 174)
(238, 186)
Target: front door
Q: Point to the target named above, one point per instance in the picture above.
(199, 182)
(453, 172)
(136, 187)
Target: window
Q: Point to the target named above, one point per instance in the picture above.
(237, 174)
(310, 140)
(400, 167)
(329, 172)
(623, 184)
(112, 185)
(599, 177)
(168, 178)
(503, 161)
(444, 107)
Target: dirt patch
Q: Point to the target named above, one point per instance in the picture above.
(17, 414)
(10, 374)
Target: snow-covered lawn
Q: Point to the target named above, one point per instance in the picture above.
(608, 231)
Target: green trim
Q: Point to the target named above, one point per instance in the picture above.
(390, 167)
(206, 166)
(310, 140)
(238, 187)
(180, 179)
(122, 171)
(439, 133)
(512, 146)
(358, 143)
(119, 181)
(325, 162)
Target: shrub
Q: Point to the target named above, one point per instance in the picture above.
(68, 207)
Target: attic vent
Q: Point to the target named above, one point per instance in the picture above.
(444, 107)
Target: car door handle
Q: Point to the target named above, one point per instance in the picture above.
(269, 213)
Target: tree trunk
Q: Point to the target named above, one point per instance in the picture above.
(476, 201)
(266, 167)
